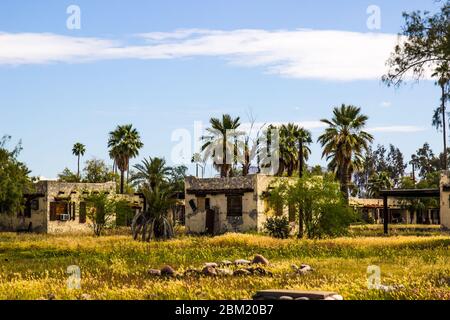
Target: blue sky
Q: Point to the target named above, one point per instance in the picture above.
(162, 65)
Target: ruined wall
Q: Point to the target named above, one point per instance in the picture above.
(254, 207)
(445, 205)
(14, 222)
(196, 220)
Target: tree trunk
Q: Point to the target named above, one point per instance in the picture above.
(300, 174)
(78, 172)
(444, 129)
(122, 177)
(345, 180)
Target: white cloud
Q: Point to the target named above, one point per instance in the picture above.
(385, 104)
(301, 53)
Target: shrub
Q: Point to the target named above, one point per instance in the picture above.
(277, 227)
(325, 212)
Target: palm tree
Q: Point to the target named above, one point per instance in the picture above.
(78, 150)
(294, 141)
(379, 181)
(124, 144)
(439, 121)
(217, 143)
(344, 141)
(151, 173)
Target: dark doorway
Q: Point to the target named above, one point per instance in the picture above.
(210, 217)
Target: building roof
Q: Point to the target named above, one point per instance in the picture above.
(413, 193)
(219, 185)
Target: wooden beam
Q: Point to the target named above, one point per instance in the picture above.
(385, 214)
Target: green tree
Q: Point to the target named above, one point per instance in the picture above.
(96, 171)
(78, 150)
(293, 139)
(325, 212)
(344, 142)
(68, 176)
(424, 46)
(124, 144)
(177, 177)
(379, 181)
(102, 210)
(151, 173)
(217, 143)
(14, 179)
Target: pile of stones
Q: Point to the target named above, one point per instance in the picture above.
(241, 267)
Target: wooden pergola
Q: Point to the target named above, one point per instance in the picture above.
(404, 193)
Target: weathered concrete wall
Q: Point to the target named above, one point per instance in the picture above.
(15, 222)
(254, 208)
(445, 205)
(55, 190)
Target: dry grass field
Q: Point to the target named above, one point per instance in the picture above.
(416, 261)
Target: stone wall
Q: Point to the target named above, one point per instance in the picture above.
(254, 208)
(74, 191)
(15, 222)
(444, 202)
(54, 191)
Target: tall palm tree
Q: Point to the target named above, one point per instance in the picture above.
(78, 150)
(344, 141)
(124, 144)
(217, 143)
(151, 173)
(439, 117)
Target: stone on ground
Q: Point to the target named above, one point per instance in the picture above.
(168, 271)
(259, 259)
(154, 272)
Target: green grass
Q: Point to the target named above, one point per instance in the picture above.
(114, 267)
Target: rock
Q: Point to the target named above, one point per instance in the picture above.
(51, 296)
(154, 272)
(306, 268)
(302, 298)
(242, 272)
(303, 269)
(209, 271)
(258, 271)
(192, 272)
(224, 272)
(285, 298)
(242, 262)
(259, 259)
(211, 264)
(86, 296)
(226, 263)
(338, 297)
(168, 271)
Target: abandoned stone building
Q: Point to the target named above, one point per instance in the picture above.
(59, 207)
(399, 211)
(219, 205)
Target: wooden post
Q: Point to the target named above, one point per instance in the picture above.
(385, 214)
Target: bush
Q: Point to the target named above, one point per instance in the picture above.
(324, 214)
(277, 227)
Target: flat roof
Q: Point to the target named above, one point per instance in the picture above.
(414, 193)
